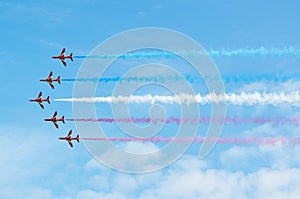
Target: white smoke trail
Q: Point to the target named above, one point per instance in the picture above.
(247, 99)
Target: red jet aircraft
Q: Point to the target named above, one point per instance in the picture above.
(50, 80)
(62, 57)
(55, 120)
(40, 100)
(69, 138)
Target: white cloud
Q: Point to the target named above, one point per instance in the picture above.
(34, 164)
(41, 193)
(89, 194)
(277, 183)
(21, 153)
(125, 183)
(288, 86)
(32, 193)
(99, 181)
(277, 156)
(188, 178)
(193, 182)
(140, 148)
(128, 160)
(93, 164)
(237, 154)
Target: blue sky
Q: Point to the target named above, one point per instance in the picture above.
(34, 164)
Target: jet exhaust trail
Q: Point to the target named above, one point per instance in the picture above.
(262, 51)
(195, 120)
(160, 79)
(247, 99)
(163, 79)
(259, 141)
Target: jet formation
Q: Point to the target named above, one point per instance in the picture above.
(40, 100)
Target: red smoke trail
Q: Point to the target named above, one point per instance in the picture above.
(197, 120)
(227, 140)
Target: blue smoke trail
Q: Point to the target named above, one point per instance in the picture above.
(262, 51)
(158, 79)
(191, 79)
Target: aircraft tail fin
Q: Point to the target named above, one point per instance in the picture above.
(63, 119)
(71, 56)
(58, 79)
(77, 138)
(48, 100)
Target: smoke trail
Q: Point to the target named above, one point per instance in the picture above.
(247, 99)
(257, 78)
(262, 51)
(273, 141)
(163, 79)
(195, 120)
(160, 79)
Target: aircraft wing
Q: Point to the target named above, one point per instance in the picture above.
(64, 62)
(40, 94)
(50, 74)
(55, 114)
(55, 124)
(41, 105)
(63, 51)
(70, 143)
(70, 133)
(52, 86)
